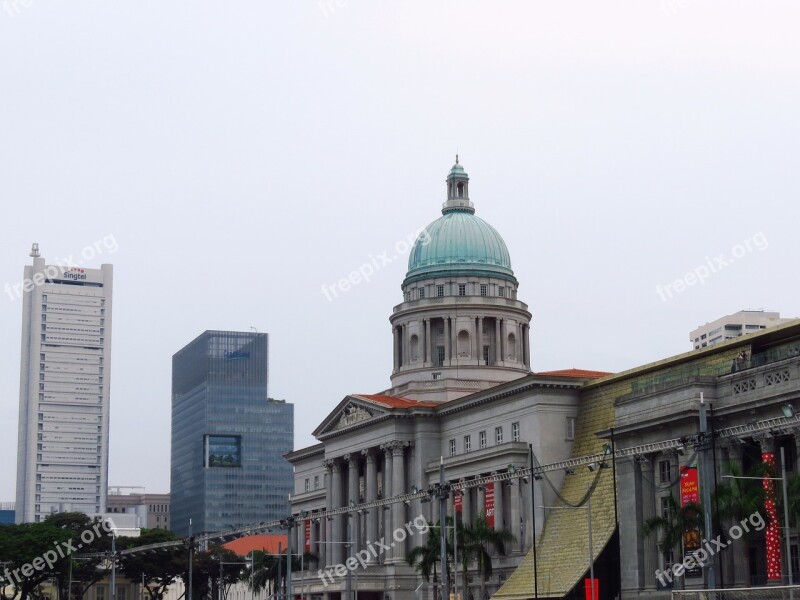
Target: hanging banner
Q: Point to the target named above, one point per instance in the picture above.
(690, 494)
(458, 505)
(488, 504)
(307, 534)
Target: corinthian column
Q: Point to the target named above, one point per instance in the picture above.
(371, 485)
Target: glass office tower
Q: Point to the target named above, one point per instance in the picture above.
(228, 436)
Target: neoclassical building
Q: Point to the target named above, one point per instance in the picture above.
(462, 393)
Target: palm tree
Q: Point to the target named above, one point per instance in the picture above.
(738, 498)
(424, 558)
(265, 572)
(476, 541)
(678, 521)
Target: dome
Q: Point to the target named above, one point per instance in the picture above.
(458, 243)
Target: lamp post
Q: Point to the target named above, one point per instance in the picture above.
(533, 524)
(588, 509)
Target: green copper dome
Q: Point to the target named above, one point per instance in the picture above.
(458, 243)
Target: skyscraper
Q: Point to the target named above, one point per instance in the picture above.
(62, 457)
(228, 436)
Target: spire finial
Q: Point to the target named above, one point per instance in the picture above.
(456, 157)
(34, 250)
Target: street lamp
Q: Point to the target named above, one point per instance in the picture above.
(588, 509)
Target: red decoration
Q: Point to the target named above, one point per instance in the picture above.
(773, 530)
(307, 536)
(690, 488)
(489, 504)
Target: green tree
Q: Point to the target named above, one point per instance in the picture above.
(30, 555)
(158, 569)
(737, 499)
(477, 542)
(425, 558)
(206, 572)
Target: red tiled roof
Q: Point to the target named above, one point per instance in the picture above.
(267, 542)
(576, 373)
(394, 402)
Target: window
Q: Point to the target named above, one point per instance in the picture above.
(122, 593)
(501, 291)
(440, 290)
(307, 485)
(316, 482)
(223, 451)
(467, 443)
(452, 447)
(437, 375)
(100, 592)
(664, 471)
(462, 289)
(570, 428)
(498, 435)
(486, 355)
(482, 439)
(421, 292)
(515, 432)
(665, 507)
(439, 356)
(408, 296)
(484, 289)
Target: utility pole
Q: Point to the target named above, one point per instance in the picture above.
(443, 493)
(533, 525)
(191, 559)
(706, 479)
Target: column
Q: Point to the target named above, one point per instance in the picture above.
(325, 556)
(398, 487)
(428, 345)
(514, 518)
(371, 485)
(395, 336)
(526, 329)
(480, 508)
(466, 508)
(503, 333)
(388, 492)
(406, 345)
(480, 340)
(647, 473)
(314, 539)
(498, 357)
(337, 529)
(738, 550)
(352, 496)
(499, 515)
(773, 522)
(447, 355)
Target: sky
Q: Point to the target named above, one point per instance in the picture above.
(230, 160)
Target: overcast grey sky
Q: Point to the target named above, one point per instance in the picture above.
(244, 154)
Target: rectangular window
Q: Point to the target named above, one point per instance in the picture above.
(467, 443)
(665, 508)
(484, 289)
(122, 593)
(316, 482)
(486, 355)
(223, 451)
(307, 485)
(570, 428)
(664, 471)
(436, 375)
(515, 432)
(439, 356)
(440, 290)
(100, 592)
(452, 447)
(462, 289)
(498, 435)
(421, 292)
(501, 291)
(482, 439)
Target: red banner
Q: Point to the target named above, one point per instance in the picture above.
(690, 488)
(587, 586)
(488, 504)
(308, 536)
(458, 502)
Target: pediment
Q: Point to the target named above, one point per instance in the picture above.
(350, 411)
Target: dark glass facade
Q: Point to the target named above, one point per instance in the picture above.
(228, 436)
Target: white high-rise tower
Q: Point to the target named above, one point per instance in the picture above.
(62, 457)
